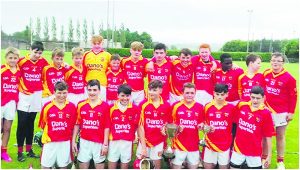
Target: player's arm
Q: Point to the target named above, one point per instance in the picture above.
(74, 136)
(105, 142)
(141, 134)
(292, 90)
(267, 163)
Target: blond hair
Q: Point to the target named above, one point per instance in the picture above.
(58, 52)
(188, 85)
(136, 45)
(77, 51)
(12, 50)
(96, 38)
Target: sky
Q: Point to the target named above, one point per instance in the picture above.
(168, 21)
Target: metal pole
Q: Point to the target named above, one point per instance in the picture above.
(113, 24)
(107, 26)
(249, 24)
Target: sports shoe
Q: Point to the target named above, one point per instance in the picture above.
(6, 157)
(280, 165)
(32, 154)
(21, 157)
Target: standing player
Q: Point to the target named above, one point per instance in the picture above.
(251, 77)
(228, 75)
(182, 72)
(57, 120)
(187, 115)
(254, 122)
(124, 119)
(10, 77)
(115, 78)
(93, 124)
(30, 97)
(95, 64)
(281, 98)
(74, 77)
(155, 114)
(53, 73)
(134, 68)
(218, 115)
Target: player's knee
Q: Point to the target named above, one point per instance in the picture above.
(232, 165)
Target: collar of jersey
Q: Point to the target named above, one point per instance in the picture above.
(66, 102)
(164, 62)
(8, 67)
(213, 102)
(280, 73)
(188, 106)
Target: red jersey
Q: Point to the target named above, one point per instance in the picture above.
(50, 76)
(135, 72)
(281, 91)
(123, 124)
(114, 80)
(75, 80)
(189, 117)
(31, 74)
(92, 120)
(163, 73)
(153, 119)
(252, 126)
(58, 123)
(221, 119)
(179, 76)
(230, 78)
(246, 83)
(9, 84)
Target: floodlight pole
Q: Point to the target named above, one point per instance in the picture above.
(249, 24)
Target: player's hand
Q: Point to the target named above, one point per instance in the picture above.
(235, 66)
(267, 162)
(104, 150)
(201, 126)
(289, 117)
(150, 66)
(74, 147)
(173, 57)
(163, 130)
(180, 128)
(214, 66)
(66, 65)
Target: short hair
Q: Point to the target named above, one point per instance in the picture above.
(257, 90)
(60, 86)
(124, 88)
(96, 38)
(155, 84)
(220, 88)
(12, 50)
(224, 56)
(160, 46)
(94, 82)
(252, 58)
(277, 54)
(136, 45)
(115, 57)
(58, 52)
(185, 51)
(188, 85)
(37, 45)
(204, 45)
(77, 51)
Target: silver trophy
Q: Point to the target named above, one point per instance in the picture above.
(206, 129)
(171, 133)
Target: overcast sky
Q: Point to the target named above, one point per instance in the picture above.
(168, 21)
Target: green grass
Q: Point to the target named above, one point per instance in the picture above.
(292, 133)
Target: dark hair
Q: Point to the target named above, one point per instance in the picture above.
(155, 84)
(186, 52)
(277, 54)
(257, 90)
(125, 88)
(224, 56)
(94, 82)
(160, 46)
(60, 86)
(115, 57)
(252, 58)
(37, 45)
(220, 88)
(188, 85)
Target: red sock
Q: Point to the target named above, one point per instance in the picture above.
(3, 149)
(264, 156)
(28, 148)
(280, 158)
(20, 149)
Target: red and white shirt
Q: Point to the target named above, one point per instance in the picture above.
(246, 83)
(31, 74)
(114, 80)
(75, 80)
(57, 122)
(153, 119)
(189, 117)
(9, 84)
(281, 91)
(93, 120)
(50, 76)
(252, 126)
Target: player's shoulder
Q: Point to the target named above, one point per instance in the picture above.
(267, 71)
(71, 105)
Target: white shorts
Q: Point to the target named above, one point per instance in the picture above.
(56, 152)
(234, 103)
(30, 103)
(76, 98)
(90, 150)
(279, 119)
(174, 98)
(222, 158)
(111, 102)
(120, 150)
(203, 97)
(192, 158)
(103, 93)
(252, 161)
(8, 111)
(153, 153)
(137, 97)
(47, 99)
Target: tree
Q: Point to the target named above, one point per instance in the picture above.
(123, 36)
(78, 33)
(46, 29)
(62, 33)
(71, 30)
(292, 49)
(53, 29)
(31, 30)
(84, 31)
(92, 29)
(38, 29)
(100, 30)
(235, 45)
